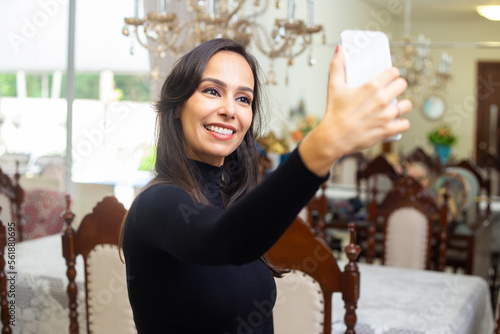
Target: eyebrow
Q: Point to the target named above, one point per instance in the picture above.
(223, 84)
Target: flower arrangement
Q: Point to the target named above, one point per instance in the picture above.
(442, 135)
(304, 126)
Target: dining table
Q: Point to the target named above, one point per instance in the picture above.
(392, 300)
(397, 300)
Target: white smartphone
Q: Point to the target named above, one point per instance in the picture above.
(367, 54)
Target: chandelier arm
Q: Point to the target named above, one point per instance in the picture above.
(141, 42)
(271, 51)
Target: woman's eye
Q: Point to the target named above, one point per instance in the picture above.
(244, 99)
(211, 91)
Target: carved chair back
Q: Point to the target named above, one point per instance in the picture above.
(411, 219)
(315, 276)
(106, 297)
(375, 172)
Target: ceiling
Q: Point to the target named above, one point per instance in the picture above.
(442, 9)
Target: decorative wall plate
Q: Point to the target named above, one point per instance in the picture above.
(434, 107)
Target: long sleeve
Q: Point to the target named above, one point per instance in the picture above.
(168, 219)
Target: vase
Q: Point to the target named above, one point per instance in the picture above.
(443, 152)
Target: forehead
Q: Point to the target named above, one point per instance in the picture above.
(230, 67)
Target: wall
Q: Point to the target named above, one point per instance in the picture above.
(309, 83)
(461, 96)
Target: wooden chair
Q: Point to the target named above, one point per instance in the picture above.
(11, 199)
(409, 214)
(4, 302)
(106, 297)
(304, 303)
(375, 170)
(372, 183)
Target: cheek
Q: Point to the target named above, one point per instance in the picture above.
(247, 121)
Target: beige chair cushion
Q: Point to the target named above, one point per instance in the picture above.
(406, 239)
(299, 305)
(109, 307)
(6, 213)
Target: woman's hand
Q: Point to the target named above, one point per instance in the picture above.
(355, 118)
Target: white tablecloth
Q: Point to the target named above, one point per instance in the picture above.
(395, 300)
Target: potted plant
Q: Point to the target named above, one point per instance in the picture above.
(442, 138)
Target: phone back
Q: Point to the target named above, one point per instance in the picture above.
(366, 53)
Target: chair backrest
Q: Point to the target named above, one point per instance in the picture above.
(107, 304)
(411, 218)
(377, 177)
(304, 303)
(11, 199)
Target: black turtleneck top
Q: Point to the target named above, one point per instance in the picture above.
(194, 268)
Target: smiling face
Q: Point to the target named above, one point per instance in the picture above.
(217, 116)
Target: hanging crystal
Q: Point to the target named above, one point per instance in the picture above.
(311, 60)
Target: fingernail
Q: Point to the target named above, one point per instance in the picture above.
(336, 49)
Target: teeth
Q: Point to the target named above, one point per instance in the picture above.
(219, 130)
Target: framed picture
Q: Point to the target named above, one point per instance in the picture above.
(434, 107)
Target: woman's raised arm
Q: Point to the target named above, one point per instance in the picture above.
(355, 118)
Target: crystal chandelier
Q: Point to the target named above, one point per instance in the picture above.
(416, 66)
(165, 33)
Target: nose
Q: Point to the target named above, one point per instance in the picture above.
(228, 109)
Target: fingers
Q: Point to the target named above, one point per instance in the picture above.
(395, 124)
(387, 77)
(403, 107)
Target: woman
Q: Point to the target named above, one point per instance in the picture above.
(194, 238)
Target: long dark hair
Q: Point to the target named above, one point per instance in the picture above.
(240, 169)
